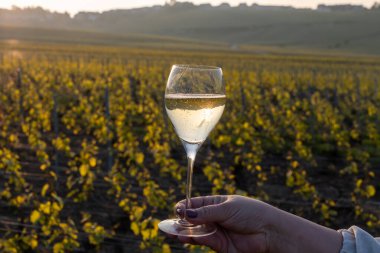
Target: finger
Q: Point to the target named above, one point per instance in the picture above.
(214, 241)
(209, 214)
(186, 239)
(171, 236)
(204, 201)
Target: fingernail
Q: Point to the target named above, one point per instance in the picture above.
(191, 213)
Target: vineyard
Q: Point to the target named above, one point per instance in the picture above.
(89, 161)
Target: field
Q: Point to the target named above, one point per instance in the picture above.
(89, 161)
(285, 28)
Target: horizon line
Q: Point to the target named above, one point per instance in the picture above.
(13, 7)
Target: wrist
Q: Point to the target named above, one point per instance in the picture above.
(279, 238)
(295, 234)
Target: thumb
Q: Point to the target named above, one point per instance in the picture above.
(208, 214)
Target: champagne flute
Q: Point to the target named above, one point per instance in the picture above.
(194, 100)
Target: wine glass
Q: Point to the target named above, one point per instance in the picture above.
(194, 100)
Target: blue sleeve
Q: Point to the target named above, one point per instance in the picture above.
(356, 240)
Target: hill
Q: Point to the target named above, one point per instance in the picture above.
(349, 30)
(10, 35)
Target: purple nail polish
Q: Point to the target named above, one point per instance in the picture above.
(191, 214)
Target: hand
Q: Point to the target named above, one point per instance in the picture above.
(249, 225)
(242, 223)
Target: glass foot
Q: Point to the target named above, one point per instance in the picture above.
(179, 228)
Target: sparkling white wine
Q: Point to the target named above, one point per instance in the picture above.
(194, 115)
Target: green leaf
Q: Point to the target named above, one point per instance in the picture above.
(83, 170)
(166, 248)
(92, 162)
(33, 243)
(359, 183)
(44, 190)
(371, 190)
(135, 228)
(35, 216)
(58, 248)
(140, 158)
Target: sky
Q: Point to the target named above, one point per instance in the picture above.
(74, 6)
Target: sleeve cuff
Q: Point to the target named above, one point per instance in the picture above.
(356, 240)
(349, 243)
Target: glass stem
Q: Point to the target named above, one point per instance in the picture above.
(190, 164)
(191, 151)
